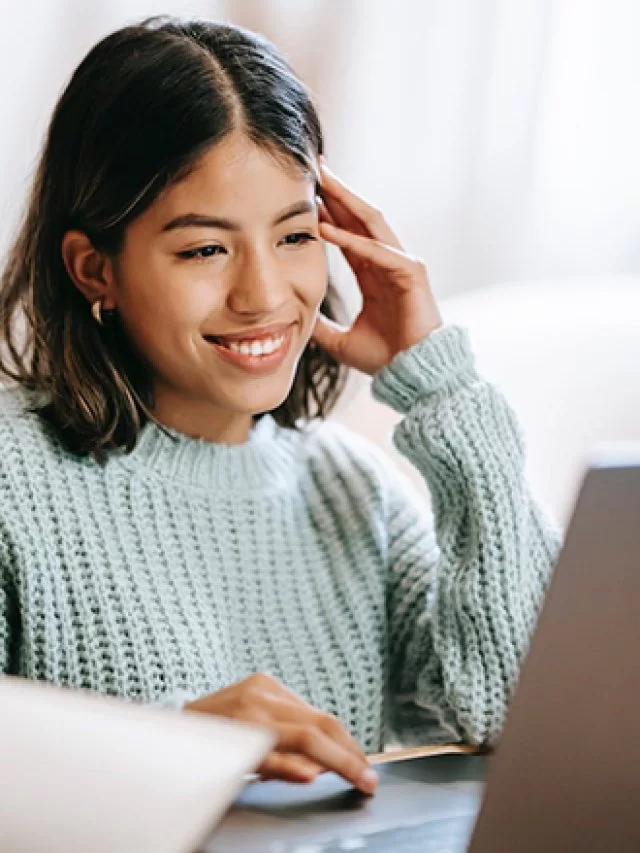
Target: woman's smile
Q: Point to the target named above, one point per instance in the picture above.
(255, 355)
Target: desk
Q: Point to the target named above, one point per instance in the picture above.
(275, 817)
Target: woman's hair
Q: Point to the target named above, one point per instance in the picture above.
(137, 114)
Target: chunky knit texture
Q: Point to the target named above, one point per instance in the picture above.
(187, 565)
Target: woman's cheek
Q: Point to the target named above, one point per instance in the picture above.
(192, 302)
(313, 278)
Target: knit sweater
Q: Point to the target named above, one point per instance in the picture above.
(186, 565)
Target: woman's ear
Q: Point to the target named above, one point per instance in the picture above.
(91, 271)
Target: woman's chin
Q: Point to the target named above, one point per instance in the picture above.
(258, 403)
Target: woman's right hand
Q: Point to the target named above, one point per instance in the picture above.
(308, 741)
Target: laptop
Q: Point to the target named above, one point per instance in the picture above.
(81, 773)
(566, 775)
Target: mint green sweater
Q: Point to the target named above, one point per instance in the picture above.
(186, 565)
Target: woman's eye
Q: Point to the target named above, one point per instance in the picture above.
(299, 238)
(202, 252)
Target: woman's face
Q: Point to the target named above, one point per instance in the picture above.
(219, 283)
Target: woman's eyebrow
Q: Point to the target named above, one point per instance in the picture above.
(201, 220)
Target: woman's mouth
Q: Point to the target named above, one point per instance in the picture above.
(265, 346)
(260, 355)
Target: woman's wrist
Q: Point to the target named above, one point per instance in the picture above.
(443, 359)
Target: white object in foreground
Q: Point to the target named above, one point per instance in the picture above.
(81, 772)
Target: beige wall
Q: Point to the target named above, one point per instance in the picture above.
(500, 138)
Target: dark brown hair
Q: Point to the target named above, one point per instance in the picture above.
(141, 108)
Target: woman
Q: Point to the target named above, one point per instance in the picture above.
(176, 525)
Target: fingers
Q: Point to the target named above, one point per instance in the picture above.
(282, 704)
(289, 768)
(309, 741)
(324, 214)
(349, 210)
(385, 257)
(329, 335)
(293, 709)
(314, 744)
(334, 729)
(342, 216)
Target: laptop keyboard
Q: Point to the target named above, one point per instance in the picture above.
(449, 835)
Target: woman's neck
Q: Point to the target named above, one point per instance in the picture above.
(201, 418)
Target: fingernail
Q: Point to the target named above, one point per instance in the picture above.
(368, 781)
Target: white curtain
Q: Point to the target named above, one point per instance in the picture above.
(501, 137)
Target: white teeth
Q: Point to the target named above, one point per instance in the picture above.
(256, 348)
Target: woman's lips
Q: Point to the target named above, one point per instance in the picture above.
(274, 330)
(255, 364)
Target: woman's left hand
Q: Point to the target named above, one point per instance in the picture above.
(398, 307)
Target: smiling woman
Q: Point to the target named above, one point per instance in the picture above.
(232, 249)
(174, 527)
(206, 173)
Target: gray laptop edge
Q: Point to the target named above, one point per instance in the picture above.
(566, 776)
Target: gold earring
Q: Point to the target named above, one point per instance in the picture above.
(96, 311)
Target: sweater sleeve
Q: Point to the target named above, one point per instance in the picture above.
(7, 609)
(5, 634)
(465, 587)
(174, 700)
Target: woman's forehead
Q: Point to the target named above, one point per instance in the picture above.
(239, 180)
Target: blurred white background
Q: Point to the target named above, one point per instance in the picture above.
(500, 137)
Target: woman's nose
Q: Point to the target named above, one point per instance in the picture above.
(259, 287)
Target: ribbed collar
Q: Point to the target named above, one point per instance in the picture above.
(265, 460)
